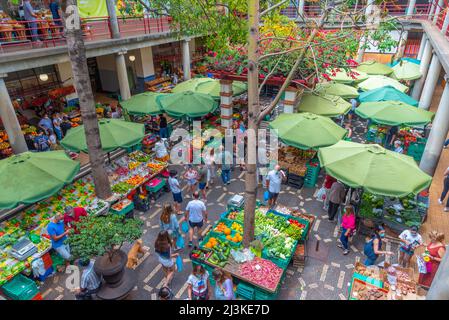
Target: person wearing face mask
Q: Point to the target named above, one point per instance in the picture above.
(373, 246)
(198, 284)
(410, 240)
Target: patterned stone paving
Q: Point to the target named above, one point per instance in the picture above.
(326, 273)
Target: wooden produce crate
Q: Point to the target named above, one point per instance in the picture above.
(359, 290)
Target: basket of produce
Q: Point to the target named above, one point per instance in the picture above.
(155, 185)
(361, 290)
(123, 207)
(220, 251)
(279, 250)
(231, 231)
(139, 156)
(121, 188)
(262, 273)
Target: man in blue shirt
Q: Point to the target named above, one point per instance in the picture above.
(30, 17)
(41, 141)
(90, 281)
(58, 235)
(46, 124)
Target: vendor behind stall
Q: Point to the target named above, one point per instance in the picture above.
(160, 148)
(72, 216)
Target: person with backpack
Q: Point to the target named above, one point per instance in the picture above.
(373, 246)
(41, 142)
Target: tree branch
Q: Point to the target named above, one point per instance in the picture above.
(270, 74)
(277, 5)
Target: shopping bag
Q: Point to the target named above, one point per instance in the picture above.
(321, 194)
(266, 196)
(185, 227)
(421, 265)
(179, 263)
(180, 243)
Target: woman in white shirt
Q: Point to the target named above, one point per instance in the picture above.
(410, 240)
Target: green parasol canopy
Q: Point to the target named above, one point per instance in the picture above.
(387, 93)
(406, 70)
(143, 103)
(337, 89)
(343, 77)
(33, 176)
(188, 103)
(375, 169)
(307, 130)
(394, 113)
(323, 105)
(374, 67)
(374, 82)
(416, 61)
(190, 85)
(114, 134)
(213, 88)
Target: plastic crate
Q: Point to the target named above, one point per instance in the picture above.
(281, 263)
(57, 261)
(20, 288)
(245, 291)
(264, 295)
(47, 273)
(154, 187)
(48, 262)
(300, 220)
(125, 210)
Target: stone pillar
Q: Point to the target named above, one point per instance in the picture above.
(423, 68)
(439, 290)
(65, 73)
(122, 75)
(226, 103)
(10, 121)
(411, 7)
(438, 10)
(369, 7)
(143, 66)
(361, 50)
(430, 83)
(422, 45)
(432, 10)
(291, 100)
(186, 59)
(301, 4)
(113, 22)
(438, 134)
(445, 22)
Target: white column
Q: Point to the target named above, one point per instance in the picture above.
(361, 50)
(113, 22)
(438, 134)
(423, 68)
(432, 9)
(411, 7)
(401, 46)
(186, 59)
(122, 75)
(369, 7)
(445, 22)
(437, 10)
(291, 100)
(226, 103)
(10, 121)
(430, 84)
(301, 7)
(422, 46)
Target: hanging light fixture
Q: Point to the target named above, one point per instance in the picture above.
(132, 58)
(43, 77)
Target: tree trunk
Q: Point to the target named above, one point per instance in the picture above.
(5, 7)
(253, 113)
(77, 54)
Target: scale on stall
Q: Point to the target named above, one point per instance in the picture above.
(23, 249)
(236, 202)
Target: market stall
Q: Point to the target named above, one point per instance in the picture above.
(257, 271)
(391, 283)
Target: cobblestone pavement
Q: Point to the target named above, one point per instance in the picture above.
(326, 273)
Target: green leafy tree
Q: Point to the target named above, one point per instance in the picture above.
(99, 235)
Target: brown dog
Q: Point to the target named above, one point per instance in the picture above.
(133, 254)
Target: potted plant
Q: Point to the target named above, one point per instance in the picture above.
(103, 237)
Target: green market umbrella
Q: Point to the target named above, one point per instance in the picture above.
(188, 103)
(323, 105)
(337, 89)
(394, 113)
(385, 94)
(114, 134)
(33, 176)
(213, 88)
(374, 67)
(190, 85)
(307, 130)
(143, 103)
(406, 70)
(374, 82)
(343, 77)
(373, 168)
(416, 61)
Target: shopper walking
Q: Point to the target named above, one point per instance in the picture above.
(163, 126)
(196, 215)
(164, 247)
(165, 294)
(410, 240)
(198, 284)
(274, 181)
(192, 178)
(373, 246)
(169, 222)
(435, 251)
(226, 163)
(90, 281)
(175, 188)
(328, 181)
(202, 180)
(210, 164)
(224, 288)
(445, 190)
(337, 196)
(348, 227)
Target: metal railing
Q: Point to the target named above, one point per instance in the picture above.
(20, 35)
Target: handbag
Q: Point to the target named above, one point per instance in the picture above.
(321, 194)
(266, 195)
(179, 263)
(180, 243)
(185, 227)
(421, 265)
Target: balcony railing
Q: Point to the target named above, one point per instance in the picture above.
(23, 35)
